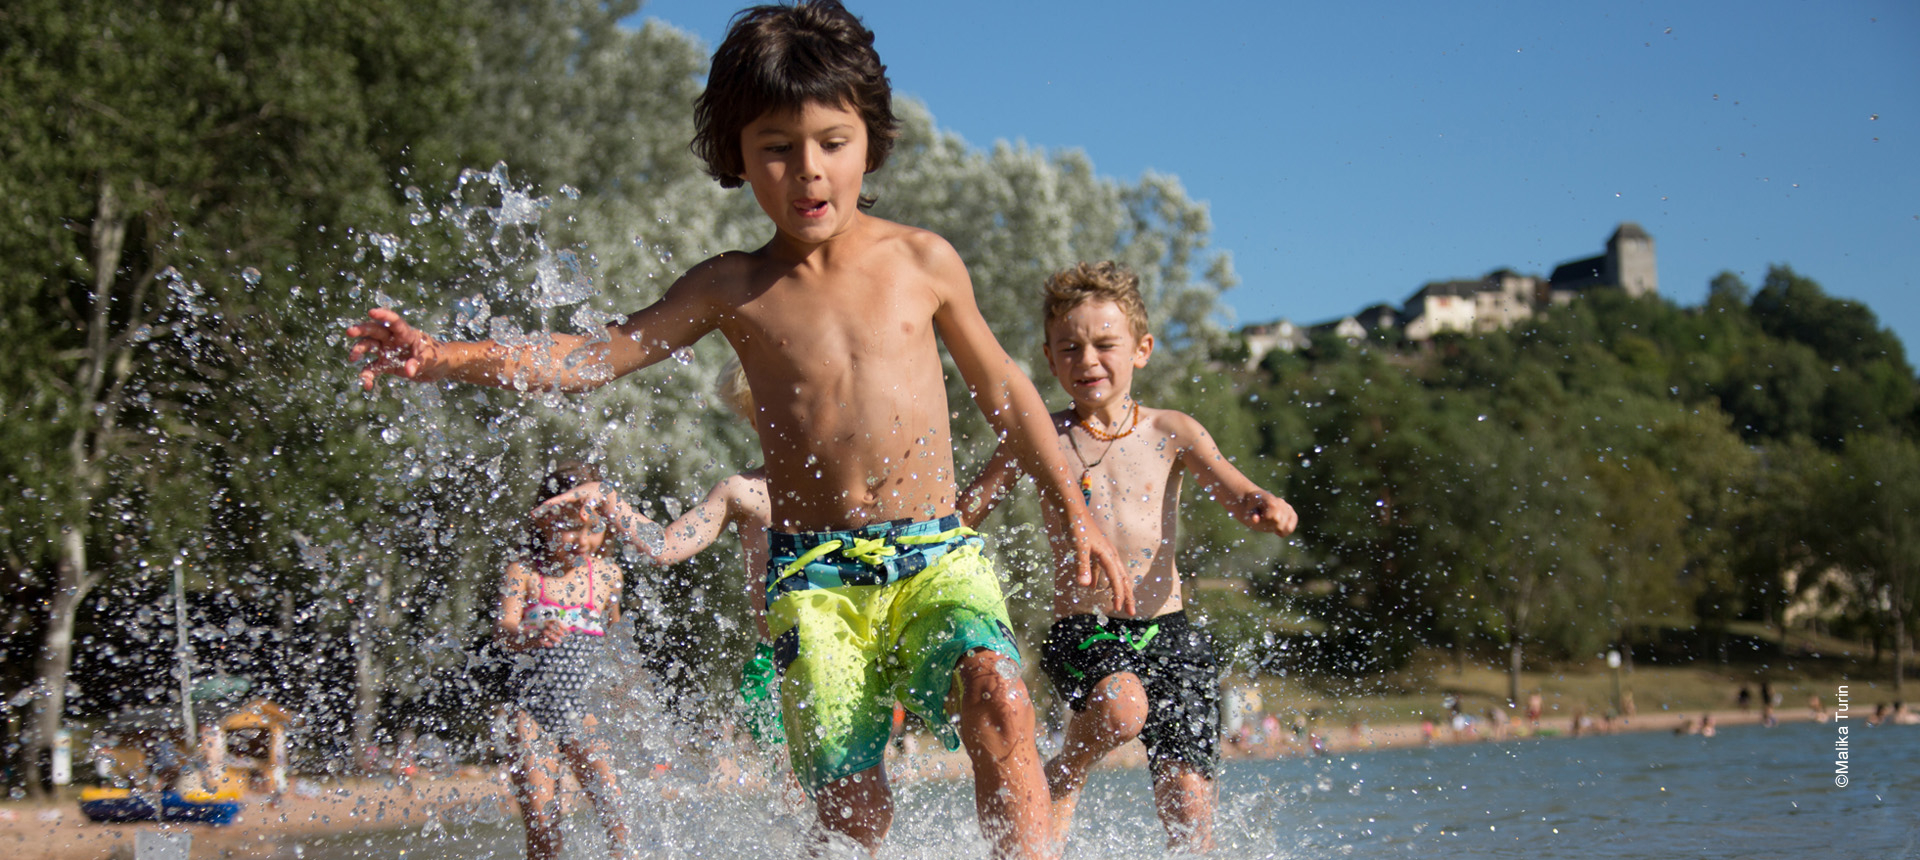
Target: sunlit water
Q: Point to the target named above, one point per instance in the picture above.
(1748, 793)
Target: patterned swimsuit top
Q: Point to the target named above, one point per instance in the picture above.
(577, 618)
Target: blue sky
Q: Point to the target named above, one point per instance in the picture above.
(1351, 152)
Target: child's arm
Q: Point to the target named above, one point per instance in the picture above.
(1255, 508)
(622, 520)
(1014, 408)
(507, 629)
(615, 585)
(567, 362)
(989, 488)
(699, 526)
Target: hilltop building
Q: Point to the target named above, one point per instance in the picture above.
(1628, 264)
(1496, 301)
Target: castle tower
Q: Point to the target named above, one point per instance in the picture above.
(1629, 261)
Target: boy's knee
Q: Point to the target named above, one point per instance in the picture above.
(1120, 702)
(993, 680)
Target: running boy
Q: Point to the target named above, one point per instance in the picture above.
(834, 320)
(1145, 671)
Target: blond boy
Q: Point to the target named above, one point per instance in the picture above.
(1144, 672)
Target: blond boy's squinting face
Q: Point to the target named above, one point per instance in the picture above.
(806, 167)
(1093, 352)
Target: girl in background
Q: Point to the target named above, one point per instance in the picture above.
(556, 603)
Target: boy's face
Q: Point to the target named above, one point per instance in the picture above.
(806, 167)
(1092, 351)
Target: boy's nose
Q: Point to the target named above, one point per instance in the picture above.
(810, 160)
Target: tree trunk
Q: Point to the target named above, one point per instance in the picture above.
(1513, 671)
(369, 676)
(95, 420)
(1900, 640)
(56, 655)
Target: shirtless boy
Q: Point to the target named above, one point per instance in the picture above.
(834, 321)
(1142, 672)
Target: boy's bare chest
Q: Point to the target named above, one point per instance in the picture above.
(856, 322)
(1134, 470)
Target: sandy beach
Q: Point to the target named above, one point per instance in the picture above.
(57, 830)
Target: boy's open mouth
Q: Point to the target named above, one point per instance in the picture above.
(811, 208)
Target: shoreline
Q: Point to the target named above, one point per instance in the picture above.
(57, 831)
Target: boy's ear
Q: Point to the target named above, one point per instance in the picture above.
(1144, 351)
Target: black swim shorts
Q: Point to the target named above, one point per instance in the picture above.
(1173, 660)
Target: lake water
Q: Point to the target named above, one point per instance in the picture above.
(1750, 792)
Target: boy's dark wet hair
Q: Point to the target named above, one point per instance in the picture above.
(785, 58)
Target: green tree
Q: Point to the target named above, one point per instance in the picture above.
(1875, 533)
(159, 158)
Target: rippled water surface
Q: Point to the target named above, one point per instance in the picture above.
(1750, 792)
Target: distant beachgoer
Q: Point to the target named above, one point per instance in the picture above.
(1818, 708)
(1686, 727)
(1880, 712)
(1904, 716)
(1744, 698)
(555, 604)
(1706, 726)
(1533, 710)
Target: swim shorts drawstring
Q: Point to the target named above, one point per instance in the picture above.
(871, 551)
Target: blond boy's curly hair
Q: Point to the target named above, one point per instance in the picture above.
(1072, 287)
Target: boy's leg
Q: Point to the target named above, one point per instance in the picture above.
(859, 807)
(836, 710)
(1116, 711)
(997, 729)
(1182, 732)
(1184, 797)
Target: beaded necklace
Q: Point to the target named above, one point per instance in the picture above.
(1086, 468)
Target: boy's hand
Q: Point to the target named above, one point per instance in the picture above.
(1096, 557)
(394, 347)
(1270, 513)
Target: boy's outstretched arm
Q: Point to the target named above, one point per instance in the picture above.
(989, 488)
(1255, 508)
(1014, 408)
(564, 362)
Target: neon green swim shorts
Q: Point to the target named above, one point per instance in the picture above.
(864, 618)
